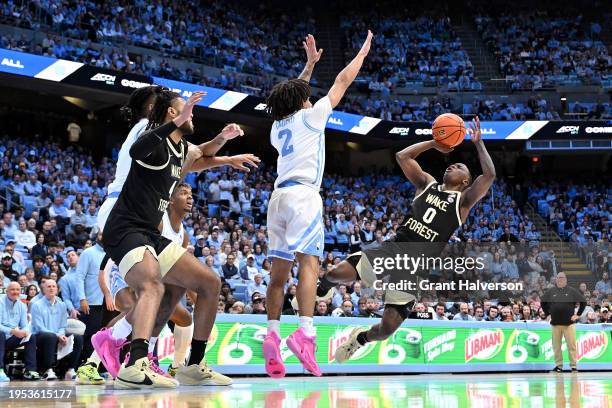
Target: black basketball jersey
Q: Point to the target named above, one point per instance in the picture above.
(433, 217)
(146, 192)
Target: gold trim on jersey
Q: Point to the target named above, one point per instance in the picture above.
(150, 167)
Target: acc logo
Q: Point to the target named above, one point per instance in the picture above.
(426, 131)
(13, 64)
(402, 131)
(261, 106)
(109, 79)
(483, 345)
(569, 129)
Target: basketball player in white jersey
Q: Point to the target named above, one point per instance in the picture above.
(295, 223)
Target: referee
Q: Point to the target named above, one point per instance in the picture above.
(560, 303)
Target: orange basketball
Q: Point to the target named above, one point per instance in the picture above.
(449, 129)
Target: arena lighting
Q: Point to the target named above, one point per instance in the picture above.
(564, 99)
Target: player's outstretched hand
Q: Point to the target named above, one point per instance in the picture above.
(231, 131)
(240, 161)
(365, 48)
(187, 111)
(475, 134)
(312, 54)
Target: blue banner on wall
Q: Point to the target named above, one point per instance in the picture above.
(21, 63)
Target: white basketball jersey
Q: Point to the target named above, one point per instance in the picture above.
(300, 142)
(124, 161)
(170, 233)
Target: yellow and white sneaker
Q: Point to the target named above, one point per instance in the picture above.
(200, 375)
(140, 375)
(349, 347)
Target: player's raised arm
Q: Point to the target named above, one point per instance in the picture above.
(229, 132)
(481, 185)
(201, 163)
(312, 54)
(148, 141)
(411, 168)
(346, 77)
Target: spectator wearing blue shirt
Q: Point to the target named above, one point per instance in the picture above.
(49, 319)
(88, 289)
(330, 235)
(14, 328)
(342, 233)
(213, 239)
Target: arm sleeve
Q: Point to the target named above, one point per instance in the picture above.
(23, 318)
(4, 328)
(37, 321)
(316, 117)
(580, 299)
(63, 323)
(81, 271)
(66, 295)
(104, 262)
(150, 140)
(545, 305)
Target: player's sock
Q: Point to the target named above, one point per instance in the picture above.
(138, 350)
(94, 359)
(182, 338)
(274, 327)
(198, 349)
(362, 338)
(121, 329)
(324, 286)
(152, 343)
(306, 324)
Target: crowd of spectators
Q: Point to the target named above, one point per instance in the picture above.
(535, 108)
(538, 49)
(580, 213)
(210, 31)
(408, 50)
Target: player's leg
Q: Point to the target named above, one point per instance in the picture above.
(183, 333)
(302, 342)
(393, 317)
(167, 309)
(109, 341)
(344, 272)
(189, 273)
(144, 277)
(275, 294)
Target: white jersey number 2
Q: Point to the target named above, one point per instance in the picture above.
(287, 146)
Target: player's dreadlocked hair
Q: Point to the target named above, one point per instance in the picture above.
(287, 97)
(135, 108)
(163, 101)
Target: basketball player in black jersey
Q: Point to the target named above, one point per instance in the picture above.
(149, 261)
(436, 212)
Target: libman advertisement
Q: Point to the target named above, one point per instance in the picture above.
(417, 343)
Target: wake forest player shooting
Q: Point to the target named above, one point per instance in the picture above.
(437, 211)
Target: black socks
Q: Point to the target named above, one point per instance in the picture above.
(139, 348)
(362, 338)
(198, 349)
